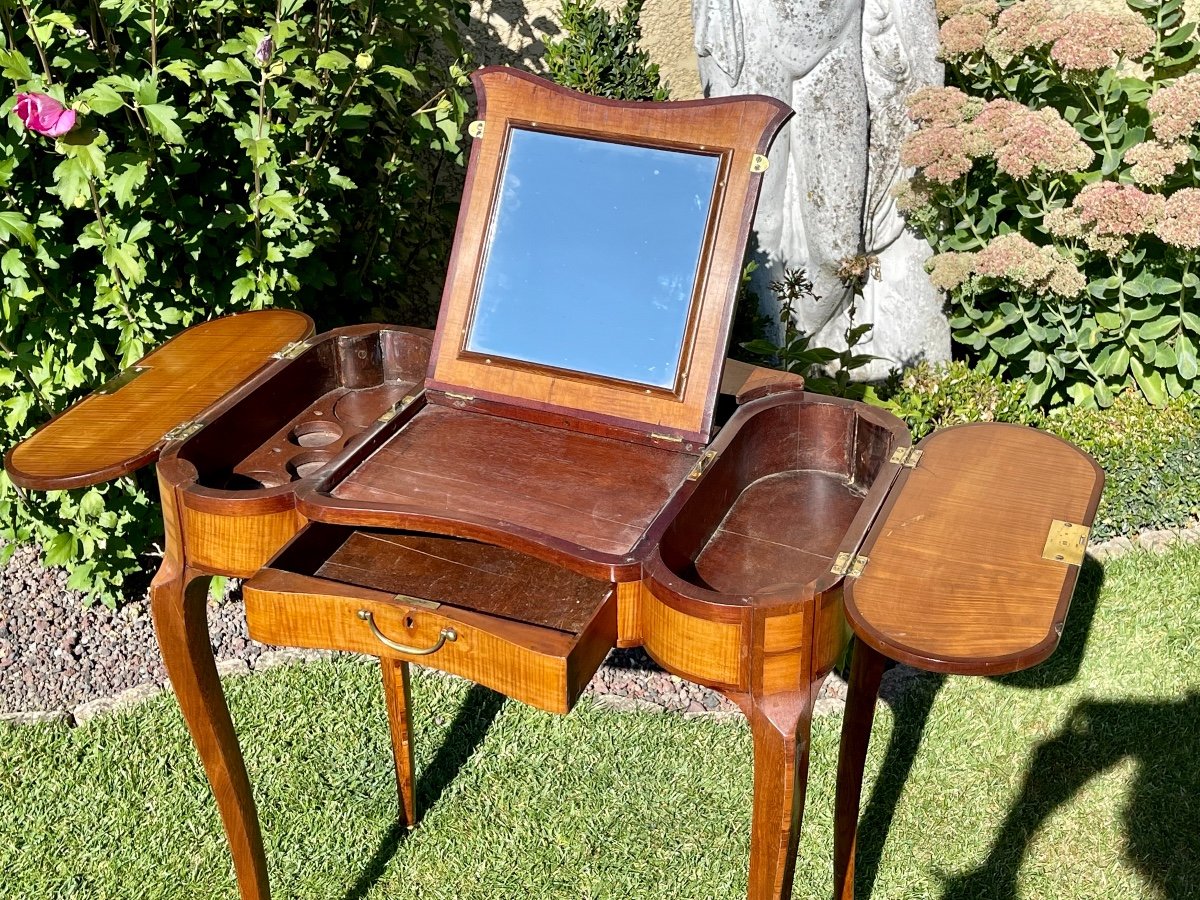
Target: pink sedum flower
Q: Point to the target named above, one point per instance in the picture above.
(1011, 257)
(943, 153)
(964, 34)
(1152, 162)
(1176, 108)
(1025, 24)
(43, 114)
(1112, 214)
(1023, 140)
(942, 106)
(949, 270)
(1180, 223)
(1090, 42)
(948, 8)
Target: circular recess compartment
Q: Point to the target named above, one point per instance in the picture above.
(316, 433)
(305, 464)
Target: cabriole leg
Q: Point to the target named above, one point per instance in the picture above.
(177, 603)
(399, 700)
(866, 671)
(781, 745)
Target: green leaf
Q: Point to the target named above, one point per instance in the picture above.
(161, 119)
(1191, 321)
(13, 224)
(1185, 356)
(1166, 286)
(102, 99)
(332, 60)
(60, 549)
(1158, 328)
(1150, 381)
(127, 181)
(15, 66)
(92, 503)
(230, 71)
(71, 182)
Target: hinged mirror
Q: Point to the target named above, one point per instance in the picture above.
(599, 251)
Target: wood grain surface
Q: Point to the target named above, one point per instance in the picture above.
(956, 581)
(469, 575)
(594, 492)
(106, 435)
(734, 127)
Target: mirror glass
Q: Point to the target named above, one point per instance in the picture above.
(592, 256)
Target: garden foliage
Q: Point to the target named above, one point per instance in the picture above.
(599, 53)
(1058, 183)
(220, 156)
(1150, 456)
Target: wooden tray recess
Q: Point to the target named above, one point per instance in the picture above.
(122, 427)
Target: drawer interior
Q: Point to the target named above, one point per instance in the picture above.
(525, 627)
(450, 571)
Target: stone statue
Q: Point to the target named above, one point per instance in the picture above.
(846, 67)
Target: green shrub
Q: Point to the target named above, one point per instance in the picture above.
(225, 156)
(937, 396)
(1058, 183)
(599, 54)
(1151, 456)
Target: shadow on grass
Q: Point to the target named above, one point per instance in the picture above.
(475, 716)
(1162, 824)
(913, 704)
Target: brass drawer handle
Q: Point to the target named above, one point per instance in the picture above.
(448, 634)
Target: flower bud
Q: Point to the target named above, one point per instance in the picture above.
(364, 61)
(264, 51)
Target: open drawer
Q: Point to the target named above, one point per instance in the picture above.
(526, 628)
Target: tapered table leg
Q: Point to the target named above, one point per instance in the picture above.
(177, 602)
(866, 671)
(781, 745)
(399, 700)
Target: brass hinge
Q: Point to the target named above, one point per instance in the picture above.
(121, 379)
(475, 129)
(183, 431)
(849, 564)
(292, 350)
(759, 163)
(907, 456)
(705, 460)
(674, 439)
(396, 409)
(463, 398)
(1066, 542)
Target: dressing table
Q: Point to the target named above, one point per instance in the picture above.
(550, 474)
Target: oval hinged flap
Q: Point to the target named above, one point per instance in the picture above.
(122, 426)
(972, 560)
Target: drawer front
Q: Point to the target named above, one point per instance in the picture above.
(539, 666)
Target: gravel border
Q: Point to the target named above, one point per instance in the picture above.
(62, 662)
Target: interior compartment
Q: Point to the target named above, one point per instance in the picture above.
(532, 630)
(777, 503)
(292, 425)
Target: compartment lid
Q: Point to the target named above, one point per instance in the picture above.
(123, 425)
(971, 563)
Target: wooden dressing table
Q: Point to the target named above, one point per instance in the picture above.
(543, 478)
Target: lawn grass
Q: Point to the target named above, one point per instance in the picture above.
(1079, 779)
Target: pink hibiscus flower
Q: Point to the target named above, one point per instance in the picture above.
(44, 114)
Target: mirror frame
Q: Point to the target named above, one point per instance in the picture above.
(735, 128)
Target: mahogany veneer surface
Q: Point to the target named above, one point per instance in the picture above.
(956, 580)
(596, 492)
(467, 575)
(784, 527)
(106, 435)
